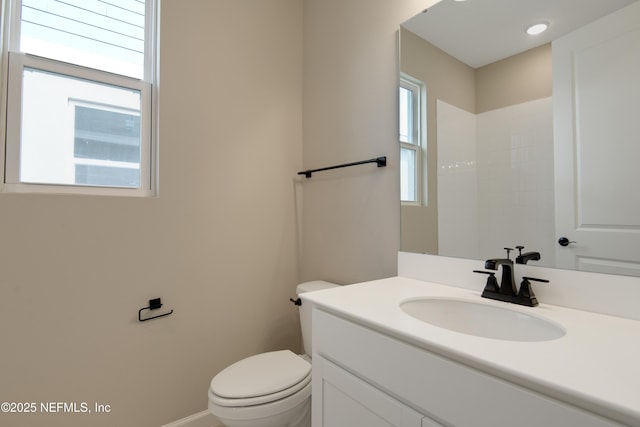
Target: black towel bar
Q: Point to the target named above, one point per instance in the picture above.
(380, 161)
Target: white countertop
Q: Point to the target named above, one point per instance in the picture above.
(595, 365)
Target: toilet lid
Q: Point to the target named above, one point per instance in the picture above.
(261, 375)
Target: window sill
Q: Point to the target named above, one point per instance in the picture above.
(75, 189)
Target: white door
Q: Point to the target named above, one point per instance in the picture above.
(596, 93)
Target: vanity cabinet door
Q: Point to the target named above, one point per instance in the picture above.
(348, 401)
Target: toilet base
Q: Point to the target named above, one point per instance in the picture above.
(298, 416)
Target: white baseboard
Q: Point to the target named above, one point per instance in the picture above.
(201, 419)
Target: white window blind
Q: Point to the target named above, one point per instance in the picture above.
(107, 35)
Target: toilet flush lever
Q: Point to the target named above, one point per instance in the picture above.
(296, 301)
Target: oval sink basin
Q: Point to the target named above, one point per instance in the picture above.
(482, 320)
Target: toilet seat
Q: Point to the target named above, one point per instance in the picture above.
(260, 379)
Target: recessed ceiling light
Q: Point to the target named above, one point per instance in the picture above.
(537, 28)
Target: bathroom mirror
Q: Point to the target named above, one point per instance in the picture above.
(511, 139)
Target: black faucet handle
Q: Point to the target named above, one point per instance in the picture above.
(526, 293)
(519, 248)
(509, 251)
(492, 283)
(535, 280)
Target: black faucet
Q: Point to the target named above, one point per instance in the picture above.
(523, 258)
(508, 282)
(506, 290)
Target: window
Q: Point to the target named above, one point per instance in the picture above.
(79, 104)
(106, 146)
(411, 136)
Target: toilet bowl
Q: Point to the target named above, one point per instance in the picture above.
(269, 389)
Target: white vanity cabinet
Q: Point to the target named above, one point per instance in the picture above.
(348, 401)
(363, 377)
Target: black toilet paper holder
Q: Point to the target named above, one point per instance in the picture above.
(154, 304)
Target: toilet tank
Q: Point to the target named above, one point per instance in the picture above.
(305, 310)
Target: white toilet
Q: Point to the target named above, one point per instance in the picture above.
(269, 389)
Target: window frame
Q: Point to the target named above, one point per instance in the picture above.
(12, 64)
(418, 136)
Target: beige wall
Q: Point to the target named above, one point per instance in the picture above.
(446, 79)
(219, 245)
(351, 228)
(514, 80)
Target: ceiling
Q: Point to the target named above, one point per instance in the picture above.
(479, 32)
